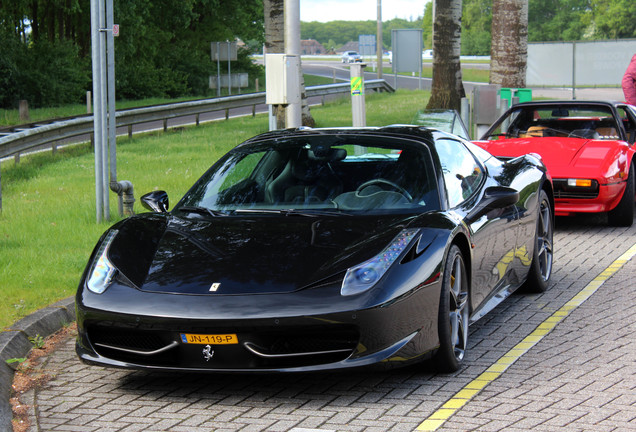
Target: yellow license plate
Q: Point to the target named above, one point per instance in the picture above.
(209, 339)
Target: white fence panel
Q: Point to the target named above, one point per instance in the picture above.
(569, 64)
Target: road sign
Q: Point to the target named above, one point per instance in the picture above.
(356, 86)
(224, 51)
(366, 44)
(115, 30)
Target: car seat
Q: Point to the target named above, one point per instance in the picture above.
(306, 178)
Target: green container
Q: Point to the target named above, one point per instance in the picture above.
(505, 93)
(524, 94)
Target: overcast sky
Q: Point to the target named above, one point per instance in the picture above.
(359, 10)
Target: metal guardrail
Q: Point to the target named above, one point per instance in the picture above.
(50, 135)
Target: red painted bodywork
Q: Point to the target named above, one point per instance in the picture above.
(607, 162)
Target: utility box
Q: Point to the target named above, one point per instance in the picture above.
(486, 107)
(282, 79)
(487, 103)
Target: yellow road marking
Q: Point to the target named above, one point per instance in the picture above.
(439, 417)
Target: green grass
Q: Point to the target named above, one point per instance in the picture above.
(48, 228)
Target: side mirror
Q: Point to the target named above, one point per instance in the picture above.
(495, 197)
(156, 201)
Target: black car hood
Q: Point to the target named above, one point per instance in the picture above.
(239, 255)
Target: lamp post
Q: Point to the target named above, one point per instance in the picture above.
(378, 43)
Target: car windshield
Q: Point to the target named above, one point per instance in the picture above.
(574, 121)
(321, 173)
(444, 120)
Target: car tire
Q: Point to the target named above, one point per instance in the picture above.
(541, 265)
(452, 320)
(623, 214)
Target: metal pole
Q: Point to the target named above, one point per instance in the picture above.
(465, 112)
(95, 7)
(229, 70)
(218, 69)
(292, 47)
(357, 95)
(378, 42)
(573, 70)
(112, 124)
(104, 100)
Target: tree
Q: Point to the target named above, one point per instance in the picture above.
(476, 26)
(509, 51)
(274, 12)
(614, 19)
(427, 25)
(564, 20)
(447, 88)
(163, 48)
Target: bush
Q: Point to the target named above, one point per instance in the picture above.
(12, 50)
(141, 80)
(54, 74)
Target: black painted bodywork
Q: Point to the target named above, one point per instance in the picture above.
(280, 274)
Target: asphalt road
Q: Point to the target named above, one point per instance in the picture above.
(341, 73)
(562, 360)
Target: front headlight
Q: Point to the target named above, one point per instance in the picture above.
(103, 271)
(364, 276)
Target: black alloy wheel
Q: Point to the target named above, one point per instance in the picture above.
(453, 314)
(541, 266)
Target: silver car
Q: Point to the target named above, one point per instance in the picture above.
(351, 57)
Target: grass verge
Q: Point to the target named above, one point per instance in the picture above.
(48, 228)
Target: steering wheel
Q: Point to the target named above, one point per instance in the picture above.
(381, 181)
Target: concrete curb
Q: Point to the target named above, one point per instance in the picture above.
(14, 343)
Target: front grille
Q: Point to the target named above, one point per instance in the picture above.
(148, 341)
(273, 347)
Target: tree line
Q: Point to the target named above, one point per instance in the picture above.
(334, 34)
(548, 21)
(163, 49)
(164, 45)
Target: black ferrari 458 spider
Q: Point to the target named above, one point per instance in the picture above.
(315, 249)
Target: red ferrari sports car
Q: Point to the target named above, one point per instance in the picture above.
(588, 148)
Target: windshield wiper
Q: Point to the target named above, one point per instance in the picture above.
(202, 210)
(294, 212)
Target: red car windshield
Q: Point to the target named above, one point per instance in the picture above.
(580, 121)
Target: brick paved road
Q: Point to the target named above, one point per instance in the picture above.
(580, 377)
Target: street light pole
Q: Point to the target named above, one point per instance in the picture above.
(97, 22)
(378, 43)
(292, 47)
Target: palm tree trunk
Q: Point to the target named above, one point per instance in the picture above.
(275, 42)
(447, 88)
(509, 52)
